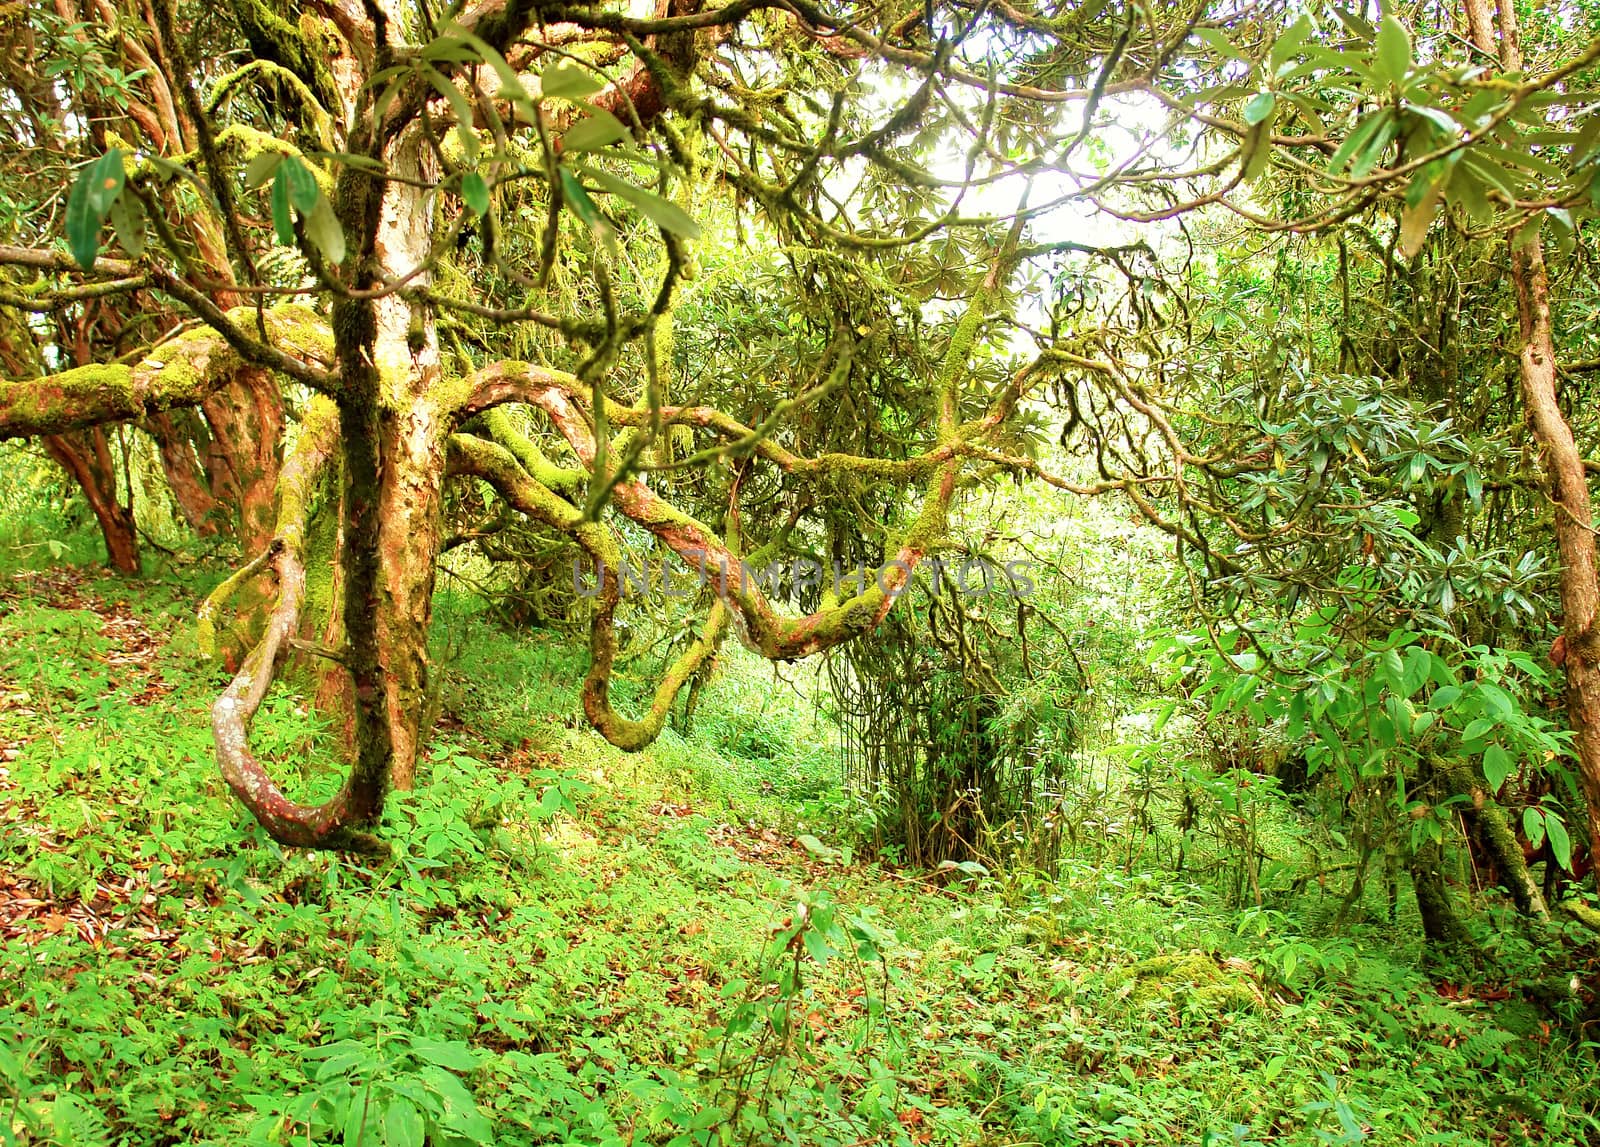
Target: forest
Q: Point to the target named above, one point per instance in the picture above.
(981, 573)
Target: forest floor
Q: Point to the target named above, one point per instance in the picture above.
(569, 945)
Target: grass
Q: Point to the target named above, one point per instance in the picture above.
(573, 946)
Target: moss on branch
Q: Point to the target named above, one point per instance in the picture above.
(182, 372)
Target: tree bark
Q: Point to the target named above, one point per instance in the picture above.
(246, 420)
(394, 429)
(175, 433)
(1441, 924)
(1486, 821)
(1563, 461)
(86, 456)
(183, 372)
(334, 824)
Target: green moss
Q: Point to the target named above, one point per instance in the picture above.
(272, 37)
(1190, 978)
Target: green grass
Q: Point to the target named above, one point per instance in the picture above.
(570, 945)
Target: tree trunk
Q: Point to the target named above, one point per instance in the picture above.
(1486, 821)
(175, 434)
(1441, 924)
(86, 456)
(1563, 462)
(246, 420)
(394, 430)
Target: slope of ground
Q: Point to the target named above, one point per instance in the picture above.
(573, 946)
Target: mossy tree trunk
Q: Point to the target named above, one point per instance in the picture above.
(394, 427)
(1442, 925)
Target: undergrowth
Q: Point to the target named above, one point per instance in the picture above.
(572, 946)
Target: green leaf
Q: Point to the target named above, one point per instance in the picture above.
(1357, 139)
(1274, 1067)
(1418, 215)
(303, 190)
(596, 130)
(357, 1119)
(1258, 151)
(460, 106)
(282, 221)
(578, 199)
(1560, 841)
(1376, 146)
(1477, 728)
(386, 98)
(468, 139)
(83, 225)
(663, 213)
(1392, 57)
(475, 192)
(128, 221)
(322, 228)
(1219, 42)
(1418, 662)
(510, 83)
(166, 169)
(349, 159)
(817, 848)
(1358, 26)
(1261, 106)
(1528, 233)
(105, 182)
(460, 1114)
(1449, 129)
(402, 1124)
(1286, 45)
(262, 168)
(569, 81)
(816, 947)
(1562, 225)
(454, 1054)
(1533, 826)
(451, 48)
(1498, 764)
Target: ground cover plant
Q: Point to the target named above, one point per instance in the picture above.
(964, 573)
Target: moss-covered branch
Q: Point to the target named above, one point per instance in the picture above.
(333, 824)
(505, 472)
(182, 372)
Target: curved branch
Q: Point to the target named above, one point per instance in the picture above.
(327, 825)
(500, 468)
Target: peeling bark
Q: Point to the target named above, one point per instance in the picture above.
(175, 434)
(246, 420)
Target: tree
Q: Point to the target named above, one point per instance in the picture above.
(370, 206)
